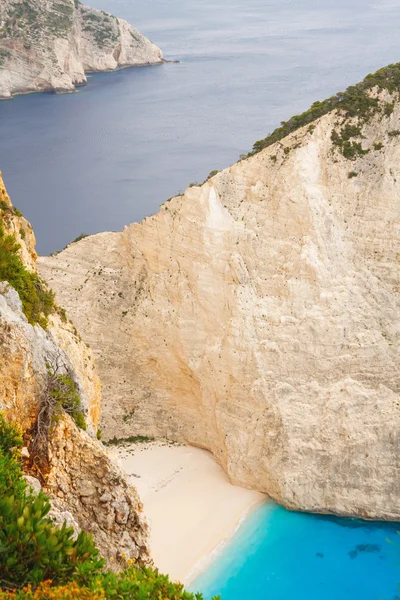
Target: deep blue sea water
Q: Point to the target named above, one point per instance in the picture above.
(281, 555)
(112, 153)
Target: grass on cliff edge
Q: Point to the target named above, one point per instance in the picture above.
(356, 101)
(37, 300)
(40, 561)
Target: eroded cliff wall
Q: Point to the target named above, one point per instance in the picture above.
(50, 44)
(257, 316)
(84, 484)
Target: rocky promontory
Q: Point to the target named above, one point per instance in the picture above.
(51, 44)
(256, 315)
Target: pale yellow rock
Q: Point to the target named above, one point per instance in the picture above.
(75, 469)
(257, 316)
(25, 350)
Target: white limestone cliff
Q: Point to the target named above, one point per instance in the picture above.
(51, 44)
(257, 316)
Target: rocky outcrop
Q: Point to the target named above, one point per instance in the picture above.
(51, 44)
(257, 316)
(27, 350)
(91, 487)
(85, 487)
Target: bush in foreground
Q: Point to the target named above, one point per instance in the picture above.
(39, 561)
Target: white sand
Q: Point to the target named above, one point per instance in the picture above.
(189, 502)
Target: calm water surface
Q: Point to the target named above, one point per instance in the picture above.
(114, 152)
(279, 555)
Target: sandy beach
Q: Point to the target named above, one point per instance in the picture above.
(189, 502)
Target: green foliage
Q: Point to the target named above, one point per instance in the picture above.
(138, 584)
(79, 238)
(102, 28)
(37, 300)
(99, 434)
(11, 480)
(10, 437)
(137, 439)
(44, 591)
(7, 208)
(37, 557)
(33, 549)
(378, 146)
(394, 133)
(356, 101)
(352, 174)
(62, 313)
(66, 398)
(343, 141)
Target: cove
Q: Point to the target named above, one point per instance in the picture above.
(280, 555)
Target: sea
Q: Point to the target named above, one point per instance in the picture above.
(280, 555)
(112, 153)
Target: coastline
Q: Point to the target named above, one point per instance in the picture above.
(192, 507)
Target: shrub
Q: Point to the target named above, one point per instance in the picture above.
(137, 439)
(137, 583)
(356, 101)
(40, 561)
(67, 398)
(352, 174)
(10, 437)
(378, 146)
(11, 479)
(33, 549)
(45, 591)
(37, 300)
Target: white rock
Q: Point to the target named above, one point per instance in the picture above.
(258, 317)
(69, 40)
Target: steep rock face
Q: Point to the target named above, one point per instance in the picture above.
(89, 485)
(50, 44)
(257, 316)
(84, 484)
(25, 350)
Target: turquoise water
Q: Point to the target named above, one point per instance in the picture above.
(279, 555)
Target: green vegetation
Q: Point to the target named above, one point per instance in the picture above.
(64, 397)
(356, 102)
(11, 481)
(352, 174)
(137, 439)
(77, 239)
(342, 140)
(102, 28)
(37, 300)
(40, 561)
(4, 54)
(24, 20)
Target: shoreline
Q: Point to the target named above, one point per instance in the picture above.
(192, 507)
